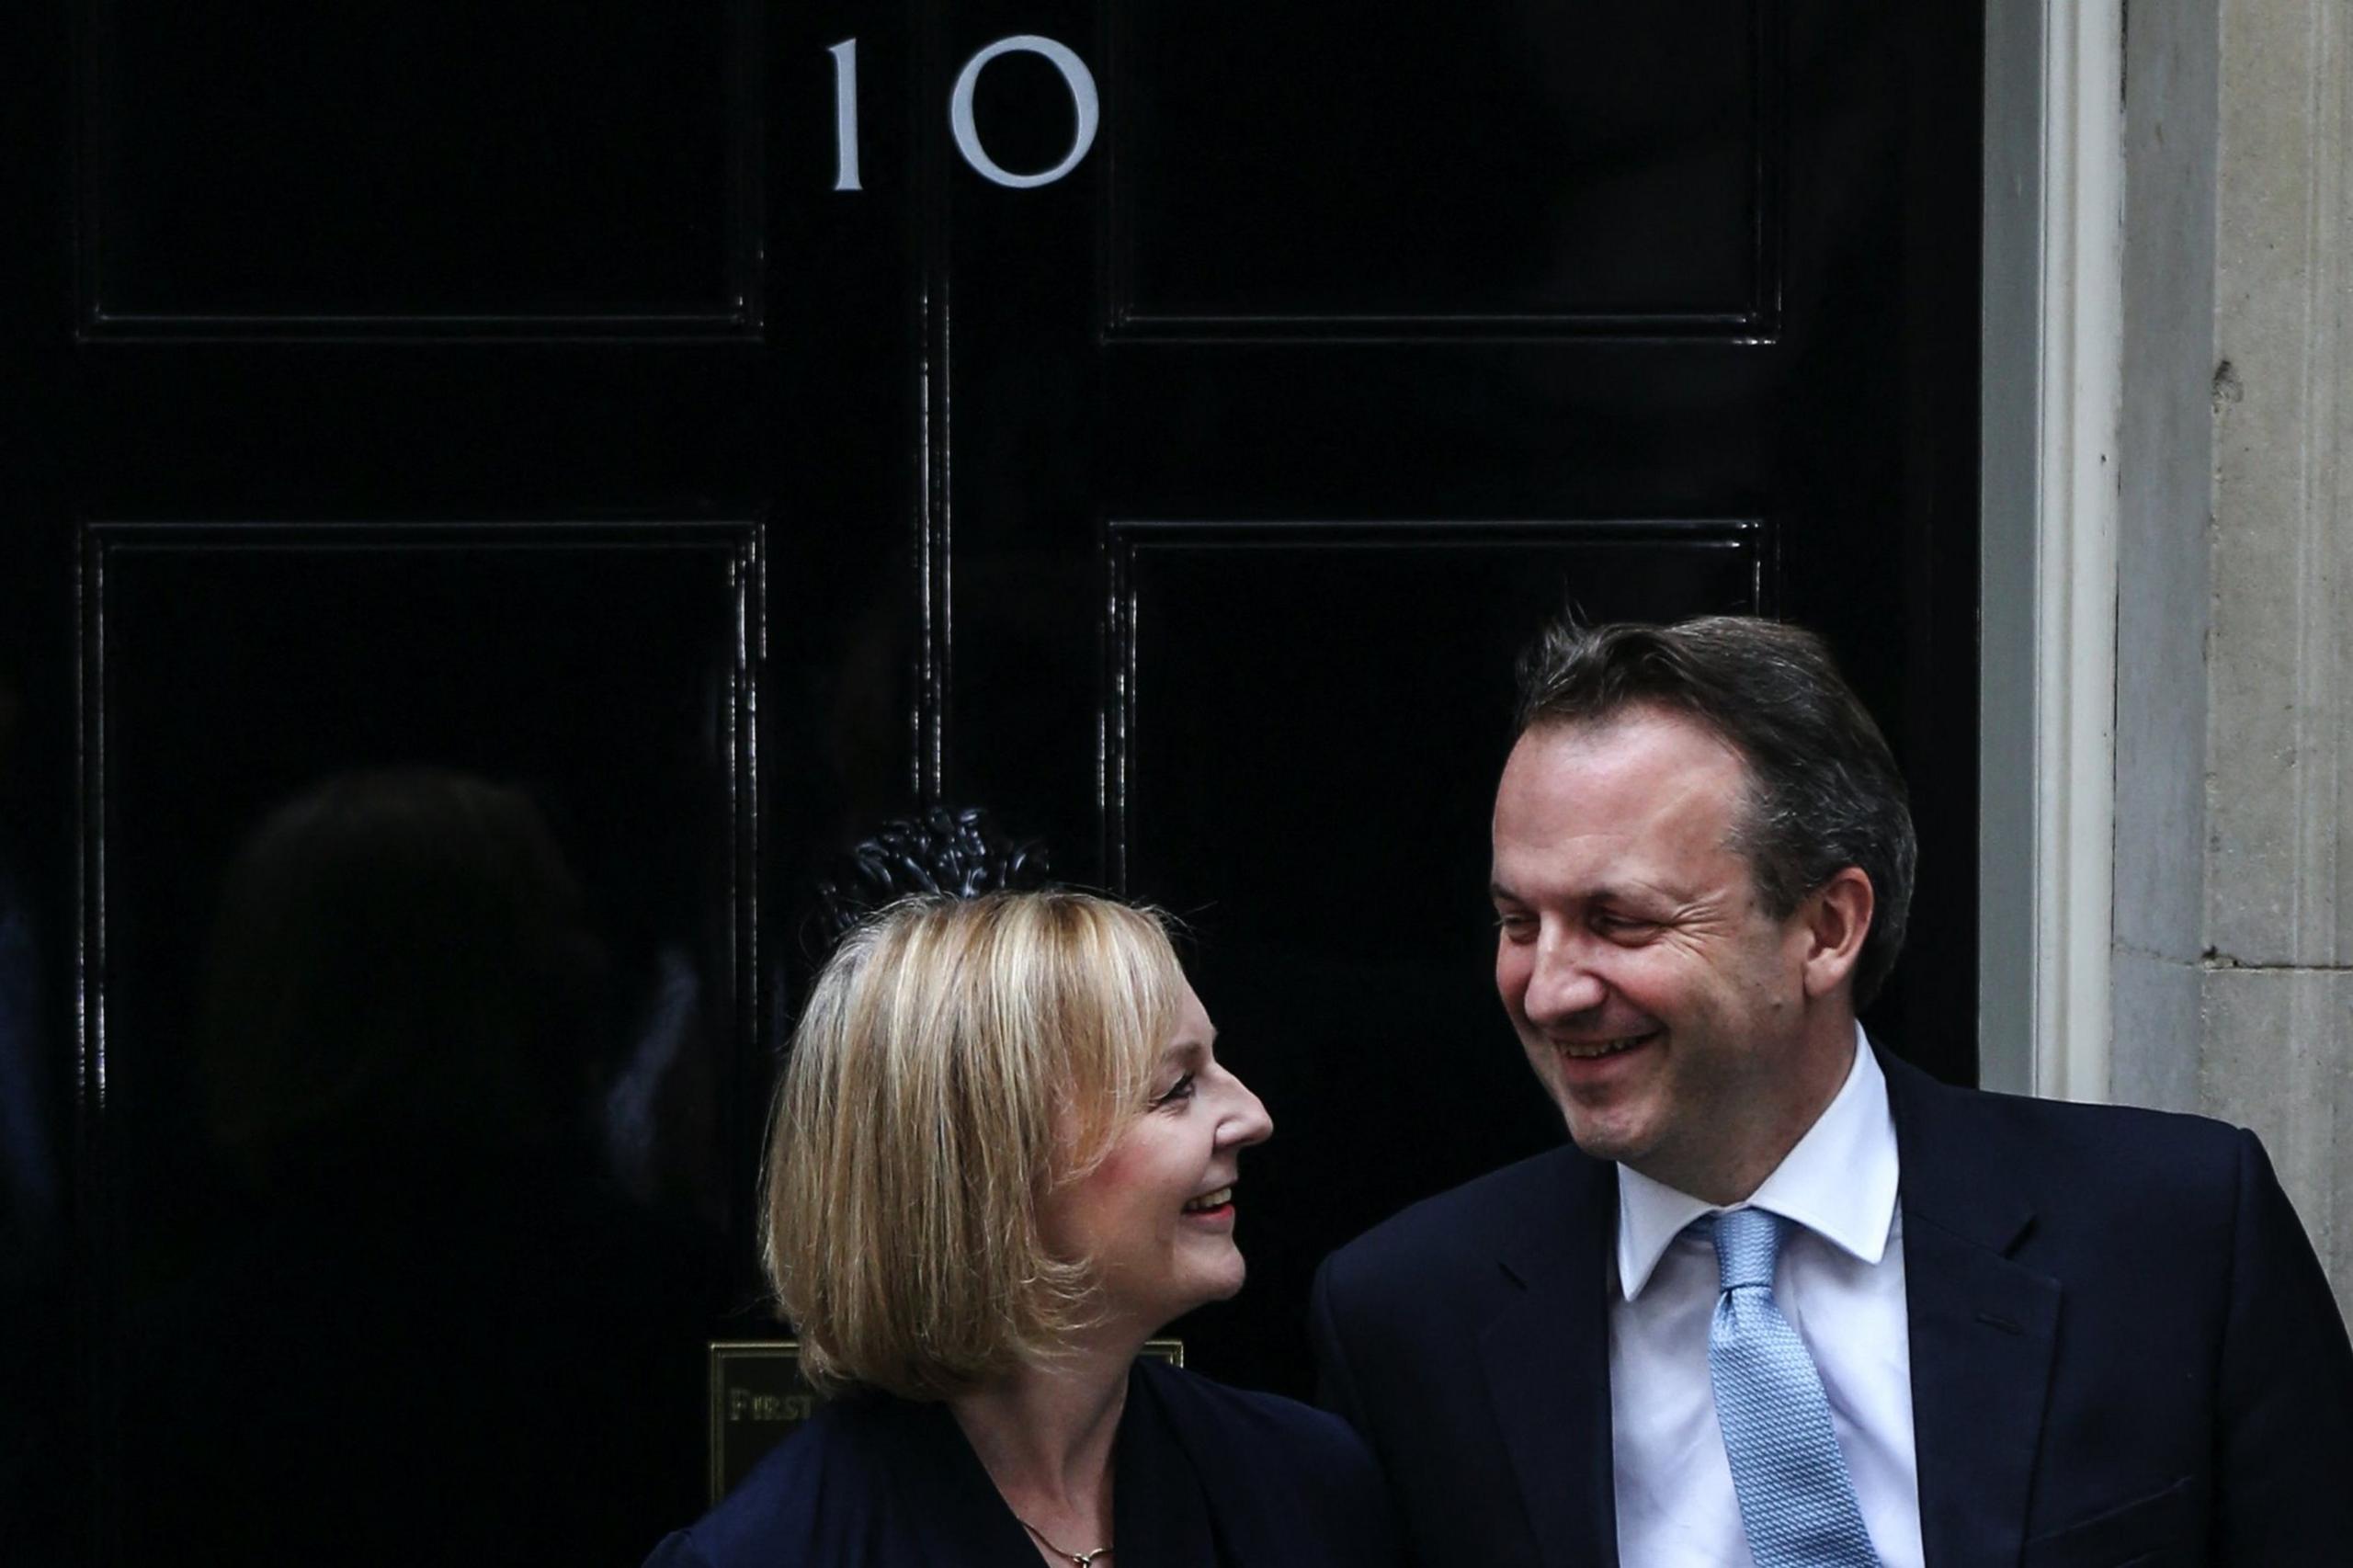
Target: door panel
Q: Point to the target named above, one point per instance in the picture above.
(424, 919)
(515, 169)
(1432, 170)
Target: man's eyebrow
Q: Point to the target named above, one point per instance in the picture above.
(1498, 893)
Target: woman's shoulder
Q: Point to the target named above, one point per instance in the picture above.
(1267, 1432)
(827, 1481)
(1289, 1482)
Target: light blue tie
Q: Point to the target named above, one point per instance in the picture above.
(1796, 1501)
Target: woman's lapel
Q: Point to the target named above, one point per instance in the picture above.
(943, 1507)
(1160, 1507)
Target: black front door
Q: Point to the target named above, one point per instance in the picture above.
(495, 494)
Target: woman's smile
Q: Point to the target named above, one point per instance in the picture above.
(1211, 1209)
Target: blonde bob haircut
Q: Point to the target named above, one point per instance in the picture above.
(959, 1059)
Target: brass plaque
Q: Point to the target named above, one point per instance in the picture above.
(758, 1398)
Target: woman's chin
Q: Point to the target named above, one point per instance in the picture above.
(1198, 1293)
(1222, 1284)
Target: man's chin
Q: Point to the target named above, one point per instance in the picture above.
(1606, 1137)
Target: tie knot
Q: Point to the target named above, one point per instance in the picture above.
(1747, 1243)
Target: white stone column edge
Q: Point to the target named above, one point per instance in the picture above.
(2052, 365)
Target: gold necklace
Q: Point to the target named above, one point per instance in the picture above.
(1077, 1559)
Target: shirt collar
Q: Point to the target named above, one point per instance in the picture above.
(1839, 1182)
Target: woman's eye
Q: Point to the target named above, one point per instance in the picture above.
(1181, 1090)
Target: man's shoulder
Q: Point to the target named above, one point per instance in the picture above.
(1470, 1227)
(2066, 1151)
(2060, 1125)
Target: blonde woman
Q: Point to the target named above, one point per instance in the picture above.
(1005, 1154)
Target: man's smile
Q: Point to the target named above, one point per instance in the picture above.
(1594, 1049)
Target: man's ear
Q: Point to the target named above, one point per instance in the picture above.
(1835, 917)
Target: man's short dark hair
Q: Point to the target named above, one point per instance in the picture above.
(1824, 790)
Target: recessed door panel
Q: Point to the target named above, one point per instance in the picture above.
(518, 166)
(425, 913)
(1432, 168)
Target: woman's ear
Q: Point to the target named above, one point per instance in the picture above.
(1835, 918)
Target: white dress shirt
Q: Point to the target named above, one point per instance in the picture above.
(1839, 1282)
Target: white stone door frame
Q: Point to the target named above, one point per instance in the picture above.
(2053, 352)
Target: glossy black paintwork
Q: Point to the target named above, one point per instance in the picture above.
(426, 985)
(503, 406)
(1441, 171)
(524, 166)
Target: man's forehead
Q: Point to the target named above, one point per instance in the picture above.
(1646, 803)
(1628, 734)
(1592, 861)
(1644, 766)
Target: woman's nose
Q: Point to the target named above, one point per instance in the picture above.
(1248, 1123)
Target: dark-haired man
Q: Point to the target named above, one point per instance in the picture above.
(1786, 1301)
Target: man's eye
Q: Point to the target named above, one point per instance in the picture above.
(1514, 924)
(1180, 1090)
(1610, 924)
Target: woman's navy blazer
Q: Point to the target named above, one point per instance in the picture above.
(1204, 1476)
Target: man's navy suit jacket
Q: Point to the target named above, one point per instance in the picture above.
(2124, 1349)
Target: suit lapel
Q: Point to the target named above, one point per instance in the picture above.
(1163, 1474)
(1982, 1327)
(1546, 1356)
